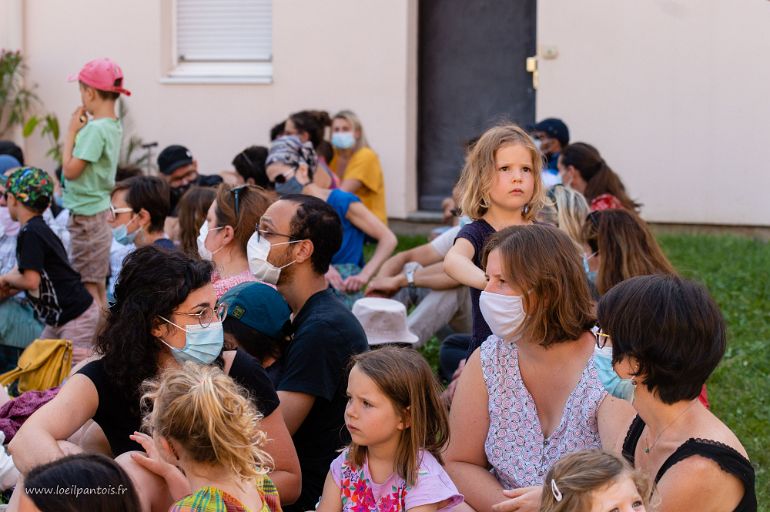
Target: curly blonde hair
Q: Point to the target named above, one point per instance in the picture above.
(207, 413)
(477, 175)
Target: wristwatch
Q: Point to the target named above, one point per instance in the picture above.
(410, 276)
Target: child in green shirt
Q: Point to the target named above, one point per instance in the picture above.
(89, 164)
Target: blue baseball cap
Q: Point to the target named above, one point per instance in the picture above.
(260, 307)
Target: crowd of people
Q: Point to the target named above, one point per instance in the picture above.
(233, 348)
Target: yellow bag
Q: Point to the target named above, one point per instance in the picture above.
(44, 364)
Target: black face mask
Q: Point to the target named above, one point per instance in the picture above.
(176, 195)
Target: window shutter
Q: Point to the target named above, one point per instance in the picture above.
(224, 30)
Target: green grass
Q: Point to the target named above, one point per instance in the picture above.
(737, 273)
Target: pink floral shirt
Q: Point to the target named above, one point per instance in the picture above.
(517, 450)
(223, 284)
(361, 494)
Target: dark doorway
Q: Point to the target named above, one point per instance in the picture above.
(471, 75)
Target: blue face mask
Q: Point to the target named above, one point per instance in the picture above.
(343, 140)
(202, 344)
(122, 236)
(290, 186)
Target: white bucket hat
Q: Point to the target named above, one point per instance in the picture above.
(383, 320)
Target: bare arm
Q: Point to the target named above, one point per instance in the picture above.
(434, 277)
(36, 441)
(73, 167)
(458, 264)
(331, 500)
(27, 280)
(286, 474)
(368, 222)
(423, 254)
(466, 461)
(295, 408)
(614, 417)
(350, 185)
(697, 483)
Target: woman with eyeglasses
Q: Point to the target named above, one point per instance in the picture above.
(223, 236)
(530, 394)
(165, 313)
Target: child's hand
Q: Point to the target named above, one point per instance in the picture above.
(78, 120)
(178, 485)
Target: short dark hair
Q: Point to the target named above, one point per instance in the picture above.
(671, 326)
(277, 130)
(250, 163)
(148, 192)
(8, 147)
(318, 222)
(84, 471)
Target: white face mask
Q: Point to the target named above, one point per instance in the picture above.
(203, 252)
(257, 250)
(503, 313)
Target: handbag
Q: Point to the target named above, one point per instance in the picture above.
(44, 364)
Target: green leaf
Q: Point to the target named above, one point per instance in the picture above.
(29, 126)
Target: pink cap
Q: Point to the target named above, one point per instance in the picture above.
(101, 74)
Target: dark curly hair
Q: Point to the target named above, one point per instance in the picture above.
(152, 283)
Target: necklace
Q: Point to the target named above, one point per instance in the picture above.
(648, 446)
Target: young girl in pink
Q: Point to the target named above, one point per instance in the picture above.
(398, 426)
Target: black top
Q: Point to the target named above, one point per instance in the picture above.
(326, 335)
(728, 459)
(61, 296)
(114, 415)
(477, 233)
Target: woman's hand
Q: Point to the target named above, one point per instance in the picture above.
(334, 278)
(524, 499)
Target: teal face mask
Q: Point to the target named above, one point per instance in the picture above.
(202, 344)
(122, 236)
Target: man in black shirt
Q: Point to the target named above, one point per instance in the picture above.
(297, 237)
(59, 298)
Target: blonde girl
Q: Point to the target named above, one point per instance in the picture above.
(202, 424)
(594, 481)
(500, 186)
(398, 427)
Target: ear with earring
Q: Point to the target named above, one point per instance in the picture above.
(484, 203)
(525, 209)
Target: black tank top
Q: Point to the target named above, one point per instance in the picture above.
(728, 459)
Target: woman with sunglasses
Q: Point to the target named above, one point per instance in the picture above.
(223, 237)
(164, 314)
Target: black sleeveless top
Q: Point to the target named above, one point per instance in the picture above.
(728, 459)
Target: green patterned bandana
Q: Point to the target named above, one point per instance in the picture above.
(32, 187)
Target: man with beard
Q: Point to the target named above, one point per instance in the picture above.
(293, 248)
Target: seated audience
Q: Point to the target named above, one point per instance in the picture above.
(583, 168)
(531, 393)
(164, 314)
(668, 336)
(230, 222)
(384, 322)
(85, 475)
(293, 248)
(138, 210)
(416, 277)
(398, 427)
(595, 480)
(42, 270)
(193, 209)
(258, 321)
(292, 165)
(356, 164)
(206, 442)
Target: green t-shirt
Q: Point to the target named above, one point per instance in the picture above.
(98, 143)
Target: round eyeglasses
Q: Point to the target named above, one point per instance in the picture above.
(208, 316)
